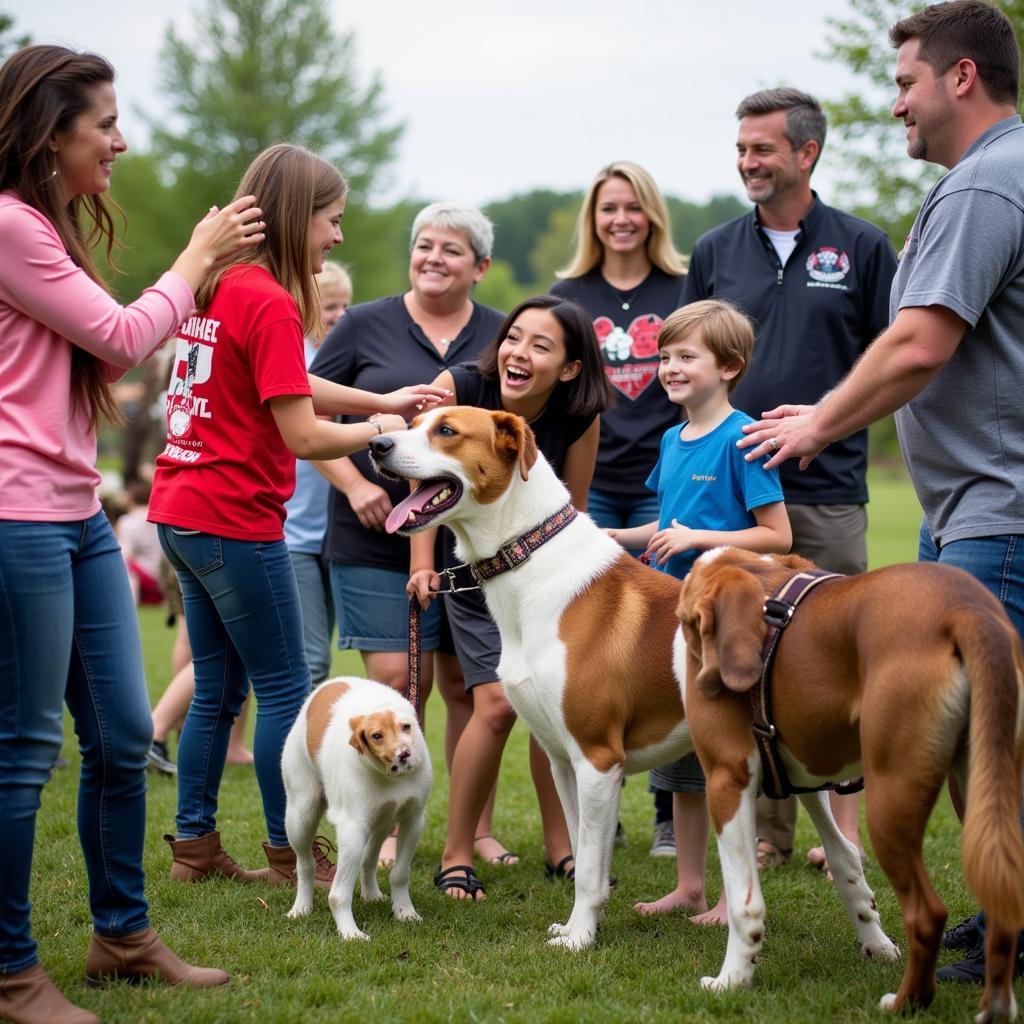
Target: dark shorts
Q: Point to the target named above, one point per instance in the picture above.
(833, 537)
(682, 776)
(469, 632)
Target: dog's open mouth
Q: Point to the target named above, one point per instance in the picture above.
(428, 501)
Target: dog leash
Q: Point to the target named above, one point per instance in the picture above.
(778, 612)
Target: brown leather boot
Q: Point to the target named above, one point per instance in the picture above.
(203, 857)
(282, 863)
(144, 955)
(29, 997)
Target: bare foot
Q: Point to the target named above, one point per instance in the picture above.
(494, 852)
(388, 849)
(817, 859)
(677, 899)
(239, 755)
(717, 915)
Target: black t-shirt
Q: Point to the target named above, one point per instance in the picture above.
(632, 428)
(377, 346)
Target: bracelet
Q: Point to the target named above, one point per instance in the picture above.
(374, 421)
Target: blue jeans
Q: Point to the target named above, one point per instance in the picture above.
(314, 583)
(68, 632)
(245, 623)
(998, 562)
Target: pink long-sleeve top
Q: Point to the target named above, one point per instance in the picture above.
(47, 305)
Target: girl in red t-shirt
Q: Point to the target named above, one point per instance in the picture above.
(240, 408)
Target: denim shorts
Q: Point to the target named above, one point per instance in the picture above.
(373, 610)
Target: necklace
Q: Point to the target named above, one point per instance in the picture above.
(625, 299)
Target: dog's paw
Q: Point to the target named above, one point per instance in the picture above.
(558, 929)
(348, 934)
(880, 949)
(565, 937)
(887, 1002)
(406, 912)
(300, 908)
(372, 894)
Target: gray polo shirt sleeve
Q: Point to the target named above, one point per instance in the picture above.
(969, 247)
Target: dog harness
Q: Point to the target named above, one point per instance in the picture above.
(778, 611)
(508, 556)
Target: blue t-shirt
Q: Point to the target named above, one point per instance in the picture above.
(707, 485)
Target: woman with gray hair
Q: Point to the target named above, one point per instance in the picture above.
(403, 339)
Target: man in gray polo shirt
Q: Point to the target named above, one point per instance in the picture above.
(952, 360)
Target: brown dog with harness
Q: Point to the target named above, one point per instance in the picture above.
(902, 675)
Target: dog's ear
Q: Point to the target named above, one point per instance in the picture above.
(515, 440)
(358, 737)
(727, 614)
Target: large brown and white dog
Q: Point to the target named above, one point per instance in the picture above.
(592, 657)
(901, 675)
(356, 751)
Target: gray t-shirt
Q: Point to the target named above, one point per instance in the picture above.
(963, 435)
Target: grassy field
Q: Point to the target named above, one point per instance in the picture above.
(485, 962)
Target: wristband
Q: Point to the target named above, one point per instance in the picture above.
(374, 421)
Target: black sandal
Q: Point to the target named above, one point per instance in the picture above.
(470, 884)
(558, 871)
(503, 859)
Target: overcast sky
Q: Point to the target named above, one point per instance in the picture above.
(500, 98)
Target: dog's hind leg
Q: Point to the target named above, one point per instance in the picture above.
(352, 840)
(410, 829)
(598, 793)
(732, 792)
(369, 889)
(848, 877)
(898, 804)
(304, 807)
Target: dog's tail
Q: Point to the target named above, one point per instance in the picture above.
(991, 845)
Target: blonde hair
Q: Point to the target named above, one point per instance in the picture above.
(290, 184)
(726, 332)
(661, 250)
(334, 277)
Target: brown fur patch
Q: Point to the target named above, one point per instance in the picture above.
(318, 714)
(620, 692)
(491, 446)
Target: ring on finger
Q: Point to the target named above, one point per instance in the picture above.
(772, 443)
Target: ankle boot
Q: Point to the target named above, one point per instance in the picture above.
(202, 857)
(29, 997)
(282, 863)
(144, 955)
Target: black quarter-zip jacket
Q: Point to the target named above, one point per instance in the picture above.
(813, 318)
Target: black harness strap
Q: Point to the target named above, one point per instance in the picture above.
(778, 611)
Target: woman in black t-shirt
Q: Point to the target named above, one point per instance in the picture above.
(545, 366)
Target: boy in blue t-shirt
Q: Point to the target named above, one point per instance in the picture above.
(708, 496)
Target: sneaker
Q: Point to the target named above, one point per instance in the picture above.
(159, 760)
(971, 969)
(965, 935)
(664, 844)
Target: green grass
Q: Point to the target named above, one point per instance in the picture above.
(486, 962)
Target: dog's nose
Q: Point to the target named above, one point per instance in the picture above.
(381, 445)
(404, 755)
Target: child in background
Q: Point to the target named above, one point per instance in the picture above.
(708, 496)
(140, 545)
(306, 523)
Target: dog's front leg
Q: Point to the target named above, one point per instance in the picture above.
(565, 784)
(848, 877)
(737, 851)
(409, 831)
(352, 839)
(369, 888)
(598, 794)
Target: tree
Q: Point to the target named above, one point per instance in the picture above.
(9, 43)
(883, 184)
(259, 72)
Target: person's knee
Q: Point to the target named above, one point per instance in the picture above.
(491, 709)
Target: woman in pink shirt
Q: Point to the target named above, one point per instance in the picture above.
(68, 630)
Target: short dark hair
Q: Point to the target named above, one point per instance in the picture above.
(974, 29)
(805, 120)
(588, 393)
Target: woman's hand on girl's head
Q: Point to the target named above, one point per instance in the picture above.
(423, 585)
(222, 233)
(412, 400)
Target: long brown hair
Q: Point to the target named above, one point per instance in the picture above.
(43, 90)
(290, 184)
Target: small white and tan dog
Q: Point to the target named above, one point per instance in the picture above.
(356, 751)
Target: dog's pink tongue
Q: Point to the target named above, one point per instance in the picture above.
(416, 502)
